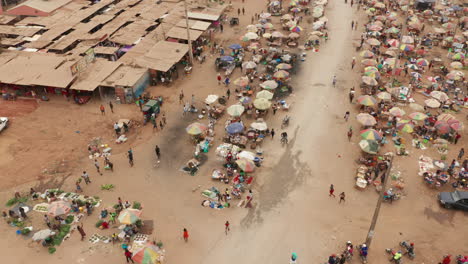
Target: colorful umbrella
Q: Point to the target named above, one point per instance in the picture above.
(268, 26)
(416, 75)
(366, 119)
(455, 124)
(262, 103)
(296, 29)
(265, 15)
(281, 74)
(227, 58)
(367, 54)
(373, 42)
(407, 40)
(267, 35)
(295, 10)
(366, 100)
(265, 94)
(406, 47)
(390, 53)
(456, 65)
(235, 46)
(129, 216)
(277, 34)
(458, 56)
(293, 35)
(211, 98)
(442, 127)
(412, 66)
(148, 254)
(251, 28)
(371, 134)
(58, 208)
(441, 96)
(248, 65)
(235, 128)
(283, 66)
(369, 62)
(369, 81)
(405, 126)
(418, 116)
(196, 128)
(422, 62)
(287, 17)
(369, 146)
(445, 117)
(235, 110)
(416, 107)
(455, 75)
(374, 27)
(245, 100)
(390, 62)
(432, 103)
(241, 81)
(392, 30)
(251, 35)
(375, 34)
(246, 165)
(393, 42)
(269, 85)
(396, 111)
(384, 96)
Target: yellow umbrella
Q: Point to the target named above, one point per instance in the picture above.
(384, 96)
(262, 103)
(281, 74)
(241, 81)
(196, 128)
(265, 94)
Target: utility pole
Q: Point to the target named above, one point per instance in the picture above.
(188, 33)
(371, 232)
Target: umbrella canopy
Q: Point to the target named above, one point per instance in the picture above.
(196, 128)
(259, 125)
(267, 35)
(211, 98)
(456, 65)
(422, 62)
(373, 42)
(458, 56)
(251, 28)
(366, 119)
(317, 33)
(235, 46)
(371, 134)
(241, 81)
(227, 58)
(392, 30)
(262, 103)
(393, 42)
(369, 81)
(390, 53)
(251, 35)
(246, 155)
(369, 62)
(396, 111)
(287, 17)
(283, 66)
(281, 74)
(296, 29)
(416, 107)
(367, 54)
(441, 96)
(269, 85)
(265, 15)
(268, 26)
(445, 117)
(407, 40)
(405, 126)
(366, 100)
(455, 75)
(58, 208)
(246, 165)
(235, 128)
(293, 35)
(455, 124)
(277, 34)
(384, 96)
(129, 216)
(42, 234)
(374, 27)
(295, 10)
(235, 110)
(418, 116)
(265, 94)
(407, 47)
(148, 254)
(248, 65)
(245, 100)
(432, 103)
(369, 146)
(442, 127)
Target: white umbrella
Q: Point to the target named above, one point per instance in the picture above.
(211, 98)
(235, 110)
(441, 96)
(246, 155)
(259, 125)
(42, 234)
(265, 94)
(249, 65)
(269, 85)
(432, 103)
(416, 107)
(251, 35)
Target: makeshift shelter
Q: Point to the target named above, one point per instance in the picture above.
(126, 82)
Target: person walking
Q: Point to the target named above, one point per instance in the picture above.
(81, 230)
(111, 106)
(461, 153)
(78, 187)
(332, 190)
(346, 116)
(226, 227)
(351, 95)
(219, 78)
(103, 110)
(350, 133)
(181, 96)
(161, 125)
(85, 177)
(227, 81)
(272, 133)
(117, 129)
(158, 152)
(128, 256)
(238, 11)
(334, 81)
(130, 157)
(185, 235)
(353, 63)
(228, 93)
(352, 24)
(221, 27)
(243, 11)
(342, 197)
(164, 118)
(47, 221)
(96, 164)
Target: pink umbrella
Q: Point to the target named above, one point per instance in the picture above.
(442, 127)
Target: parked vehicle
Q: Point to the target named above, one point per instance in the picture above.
(455, 200)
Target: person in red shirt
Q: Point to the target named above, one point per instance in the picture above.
(128, 256)
(219, 78)
(185, 235)
(226, 229)
(446, 260)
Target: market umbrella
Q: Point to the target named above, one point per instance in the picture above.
(211, 98)
(293, 35)
(407, 40)
(456, 65)
(254, 46)
(283, 66)
(441, 96)
(432, 79)
(291, 23)
(245, 100)
(384, 96)
(245, 165)
(235, 110)
(58, 208)
(269, 85)
(129, 216)
(367, 54)
(317, 33)
(371, 134)
(393, 42)
(392, 30)
(416, 107)
(241, 81)
(267, 35)
(369, 146)
(148, 254)
(405, 126)
(432, 103)
(248, 65)
(259, 125)
(369, 81)
(251, 35)
(416, 75)
(412, 66)
(42, 234)
(455, 75)
(235, 128)
(265, 94)
(281, 74)
(407, 47)
(287, 17)
(445, 117)
(380, 18)
(390, 62)
(418, 116)
(396, 111)
(373, 42)
(458, 56)
(455, 124)
(262, 103)
(369, 62)
(295, 10)
(296, 29)
(246, 155)
(277, 34)
(227, 58)
(442, 127)
(390, 53)
(196, 128)
(422, 62)
(366, 119)
(265, 15)
(235, 46)
(366, 100)
(268, 26)
(374, 27)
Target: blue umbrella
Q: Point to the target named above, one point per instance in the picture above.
(235, 128)
(235, 46)
(227, 58)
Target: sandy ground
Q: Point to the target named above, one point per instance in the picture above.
(292, 211)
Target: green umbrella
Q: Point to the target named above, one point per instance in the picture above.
(369, 146)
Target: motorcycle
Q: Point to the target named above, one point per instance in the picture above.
(462, 259)
(389, 196)
(285, 122)
(393, 253)
(409, 249)
(363, 253)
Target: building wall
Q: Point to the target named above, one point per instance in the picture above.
(140, 86)
(25, 11)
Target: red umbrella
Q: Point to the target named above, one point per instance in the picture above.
(442, 127)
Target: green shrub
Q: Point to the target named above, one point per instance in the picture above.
(69, 219)
(136, 205)
(63, 231)
(139, 223)
(25, 231)
(52, 250)
(159, 244)
(11, 202)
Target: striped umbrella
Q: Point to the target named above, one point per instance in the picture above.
(458, 56)
(422, 62)
(367, 54)
(369, 146)
(265, 94)
(442, 127)
(281, 74)
(373, 42)
(366, 100)
(295, 10)
(129, 216)
(405, 126)
(296, 29)
(369, 81)
(369, 62)
(432, 103)
(392, 30)
(371, 134)
(196, 128)
(455, 75)
(246, 165)
(445, 117)
(418, 116)
(283, 66)
(455, 124)
(374, 27)
(384, 96)
(393, 42)
(406, 47)
(147, 255)
(456, 65)
(441, 96)
(366, 119)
